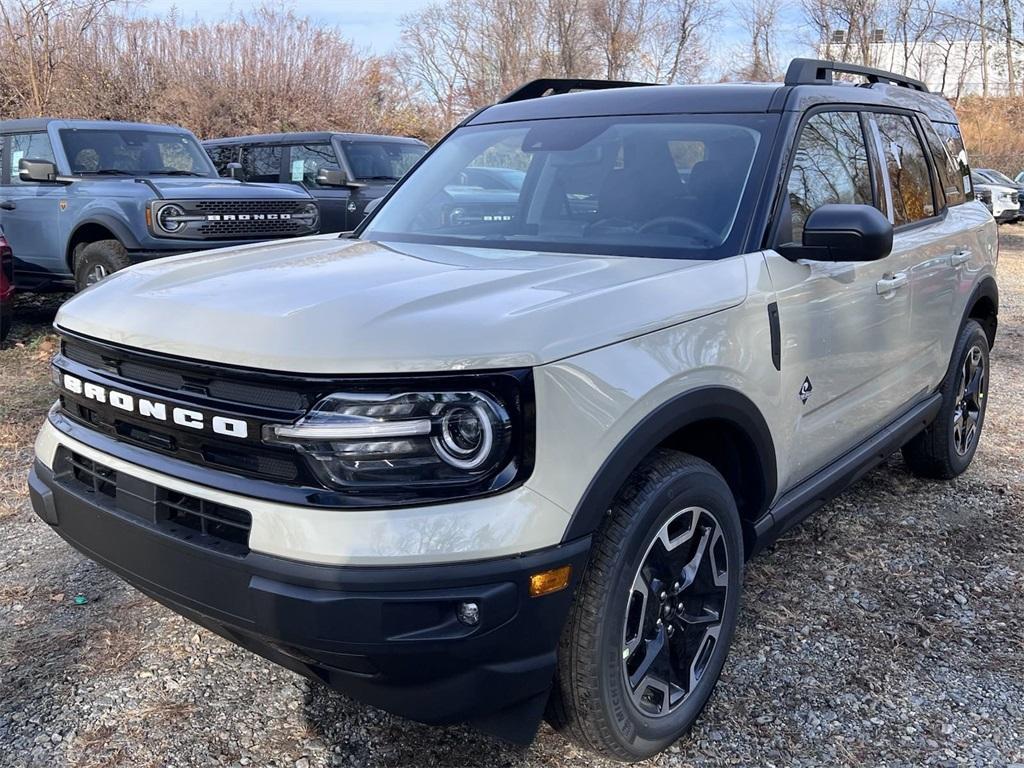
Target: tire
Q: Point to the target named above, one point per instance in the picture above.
(98, 260)
(685, 500)
(945, 449)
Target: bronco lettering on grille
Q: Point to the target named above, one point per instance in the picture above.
(153, 409)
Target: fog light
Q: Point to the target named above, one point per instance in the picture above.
(546, 582)
(468, 613)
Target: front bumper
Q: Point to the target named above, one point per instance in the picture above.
(388, 636)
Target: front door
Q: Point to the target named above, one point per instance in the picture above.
(30, 212)
(305, 161)
(844, 326)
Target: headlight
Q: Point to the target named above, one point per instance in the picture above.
(170, 217)
(451, 442)
(308, 212)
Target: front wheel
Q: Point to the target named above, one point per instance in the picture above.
(99, 260)
(947, 446)
(655, 613)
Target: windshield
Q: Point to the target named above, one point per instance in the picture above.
(119, 152)
(1001, 178)
(666, 186)
(381, 160)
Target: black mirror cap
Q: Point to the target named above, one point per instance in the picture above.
(844, 232)
(331, 177)
(37, 170)
(234, 171)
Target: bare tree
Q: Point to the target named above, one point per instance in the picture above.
(759, 19)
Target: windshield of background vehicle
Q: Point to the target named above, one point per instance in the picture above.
(381, 160)
(114, 152)
(664, 186)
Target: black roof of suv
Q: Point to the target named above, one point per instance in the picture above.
(808, 82)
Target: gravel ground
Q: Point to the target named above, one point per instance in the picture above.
(887, 630)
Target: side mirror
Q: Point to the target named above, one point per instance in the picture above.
(333, 177)
(41, 171)
(843, 232)
(235, 171)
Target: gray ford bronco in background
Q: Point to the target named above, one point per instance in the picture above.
(82, 199)
(345, 172)
(483, 468)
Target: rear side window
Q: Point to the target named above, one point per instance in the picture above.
(951, 179)
(221, 156)
(907, 167)
(261, 163)
(830, 166)
(949, 135)
(30, 146)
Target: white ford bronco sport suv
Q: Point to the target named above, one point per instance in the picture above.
(492, 457)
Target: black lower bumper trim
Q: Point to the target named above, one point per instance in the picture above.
(388, 636)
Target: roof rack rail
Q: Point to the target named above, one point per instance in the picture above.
(820, 71)
(552, 86)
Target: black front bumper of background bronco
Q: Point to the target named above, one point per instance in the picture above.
(387, 636)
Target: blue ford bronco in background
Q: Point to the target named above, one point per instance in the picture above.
(82, 199)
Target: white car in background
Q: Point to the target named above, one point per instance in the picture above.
(1005, 203)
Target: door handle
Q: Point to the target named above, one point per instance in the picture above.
(960, 257)
(8, 205)
(891, 283)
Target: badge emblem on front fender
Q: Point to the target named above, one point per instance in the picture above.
(805, 390)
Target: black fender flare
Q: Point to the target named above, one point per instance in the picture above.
(718, 403)
(117, 226)
(985, 289)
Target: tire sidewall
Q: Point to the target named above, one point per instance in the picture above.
(638, 733)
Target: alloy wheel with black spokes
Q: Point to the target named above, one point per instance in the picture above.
(946, 447)
(674, 611)
(655, 612)
(970, 401)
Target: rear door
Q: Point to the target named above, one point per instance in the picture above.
(303, 163)
(30, 212)
(262, 163)
(929, 234)
(844, 325)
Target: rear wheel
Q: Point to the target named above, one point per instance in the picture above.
(947, 446)
(655, 614)
(98, 260)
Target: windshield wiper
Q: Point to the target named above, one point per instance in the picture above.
(173, 172)
(378, 178)
(108, 172)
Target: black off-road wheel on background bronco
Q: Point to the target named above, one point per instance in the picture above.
(96, 261)
(655, 613)
(947, 446)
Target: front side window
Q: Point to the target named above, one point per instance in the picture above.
(904, 160)
(381, 160)
(261, 163)
(28, 146)
(830, 166)
(662, 186)
(130, 152)
(307, 160)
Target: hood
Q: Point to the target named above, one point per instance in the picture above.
(192, 188)
(340, 306)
